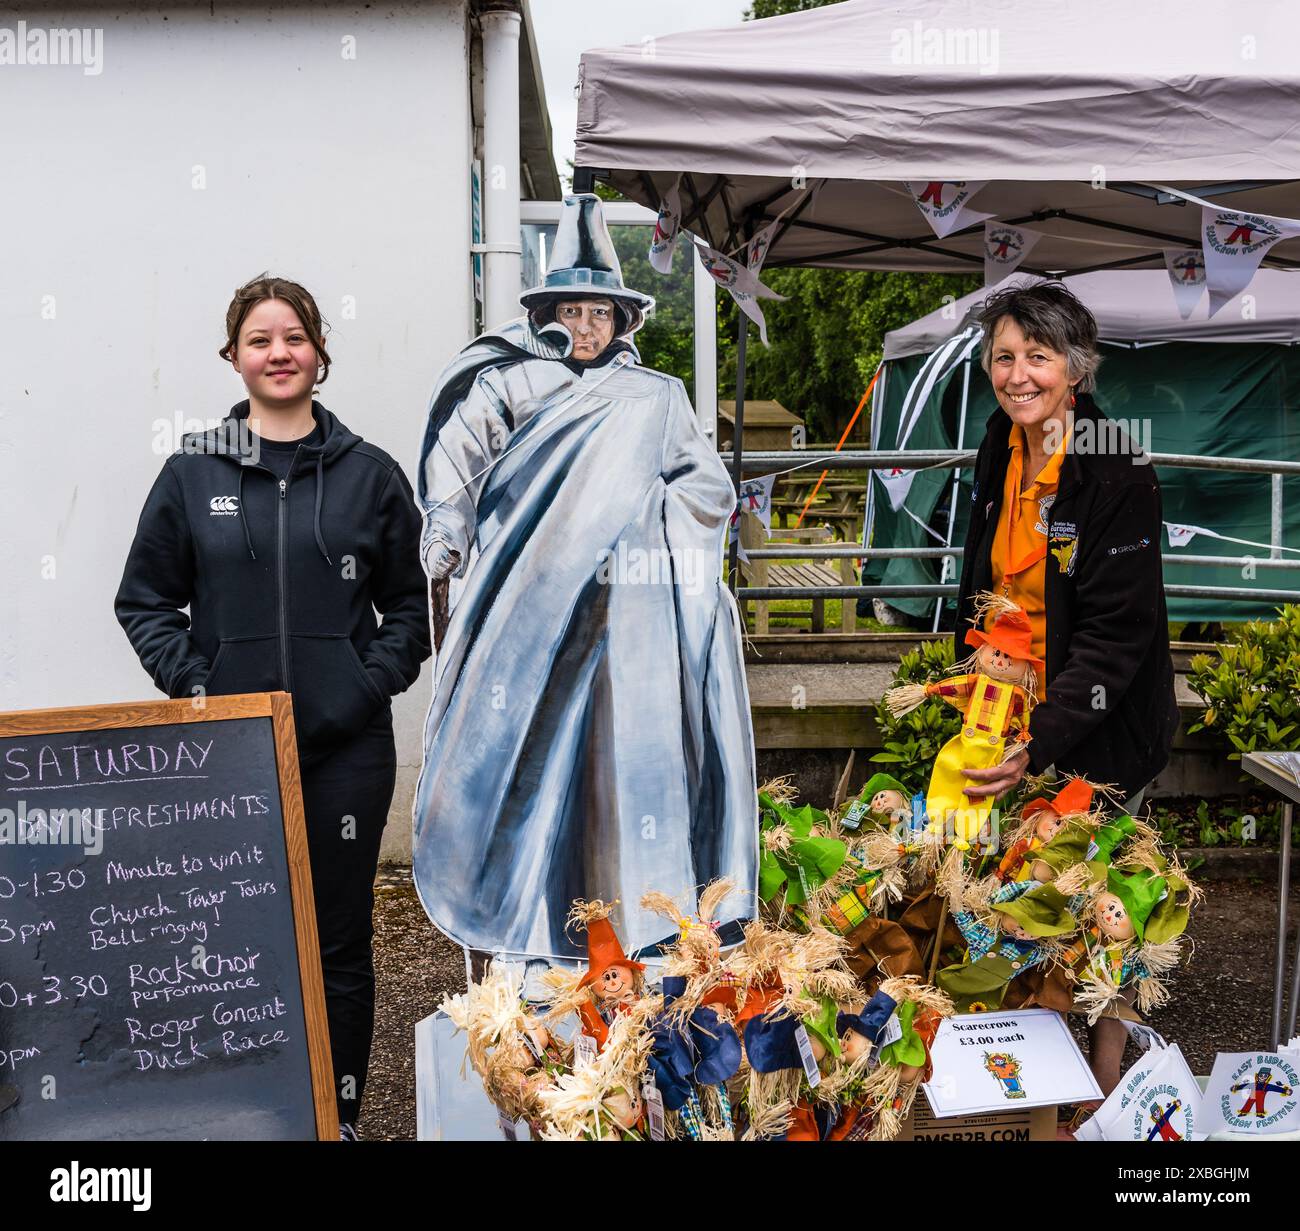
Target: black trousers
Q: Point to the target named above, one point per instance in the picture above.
(346, 796)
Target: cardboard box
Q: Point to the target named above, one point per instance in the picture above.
(1018, 1124)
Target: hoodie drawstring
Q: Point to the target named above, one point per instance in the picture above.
(320, 493)
(239, 500)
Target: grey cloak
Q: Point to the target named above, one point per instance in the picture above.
(590, 730)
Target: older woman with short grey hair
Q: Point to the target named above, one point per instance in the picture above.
(1066, 522)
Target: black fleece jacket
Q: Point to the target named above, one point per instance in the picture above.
(1109, 711)
(282, 581)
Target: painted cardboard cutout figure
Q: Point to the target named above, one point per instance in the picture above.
(589, 735)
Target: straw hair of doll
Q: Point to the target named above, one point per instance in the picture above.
(843, 1078)
(878, 1093)
(582, 914)
(1077, 879)
(952, 881)
(988, 604)
(781, 790)
(880, 850)
(564, 994)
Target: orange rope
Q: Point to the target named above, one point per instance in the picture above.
(839, 446)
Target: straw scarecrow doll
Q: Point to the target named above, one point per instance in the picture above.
(1137, 915)
(612, 982)
(994, 690)
(1006, 927)
(882, 802)
(1041, 820)
(601, 1100)
(507, 1045)
(797, 855)
(697, 1049)
(791, 985)
(886, 1096)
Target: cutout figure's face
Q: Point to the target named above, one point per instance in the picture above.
(1113, 919)
(591, 322)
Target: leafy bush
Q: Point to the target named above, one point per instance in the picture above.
(912, 742)
(1252, 689)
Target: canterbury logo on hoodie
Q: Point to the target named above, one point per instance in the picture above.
(223, 506)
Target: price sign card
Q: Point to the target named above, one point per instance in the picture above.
(1004, 1061)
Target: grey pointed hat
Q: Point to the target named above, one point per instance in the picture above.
(583, 261)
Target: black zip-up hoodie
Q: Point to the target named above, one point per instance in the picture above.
(1109, 711)
(282, 580)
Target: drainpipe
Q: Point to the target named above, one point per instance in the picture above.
(500, 27)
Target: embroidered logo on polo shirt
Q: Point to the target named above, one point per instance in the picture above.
(1044, 512)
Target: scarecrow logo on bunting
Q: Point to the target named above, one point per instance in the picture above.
(944, 203)
(740, 280)
(1235, 243)
(756, 499)
(1005, 247)
(1255, 1092)
(666, 225)
(1186, 268)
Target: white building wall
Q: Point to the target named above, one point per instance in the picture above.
(210, 147)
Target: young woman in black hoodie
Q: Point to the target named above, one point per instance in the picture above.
(284, 533)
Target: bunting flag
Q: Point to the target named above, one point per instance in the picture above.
(1234, 243)
(944, 203)
(1005, 247)
(743, 284)
(666, 225)
(755, 499)
(1180, 535)
(1186, 268)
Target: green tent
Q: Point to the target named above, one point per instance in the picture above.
(1226, 386)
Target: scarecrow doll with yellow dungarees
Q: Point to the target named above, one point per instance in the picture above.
(994, 690)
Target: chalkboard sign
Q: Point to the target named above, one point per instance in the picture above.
(159, 968)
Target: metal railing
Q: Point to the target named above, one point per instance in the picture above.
(771, 461)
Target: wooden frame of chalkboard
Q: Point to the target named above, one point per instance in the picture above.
(279, 709)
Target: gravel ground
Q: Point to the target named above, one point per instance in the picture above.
(1222, 1000)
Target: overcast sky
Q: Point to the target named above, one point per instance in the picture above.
(567, 28)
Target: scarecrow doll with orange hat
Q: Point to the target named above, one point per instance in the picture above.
(994, 690)
(1041, 820)
(613, 981)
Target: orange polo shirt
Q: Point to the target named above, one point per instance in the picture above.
(1020, 539)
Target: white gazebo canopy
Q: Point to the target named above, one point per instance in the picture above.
(1075, 117)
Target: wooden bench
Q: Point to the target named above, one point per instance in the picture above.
(805, 573)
